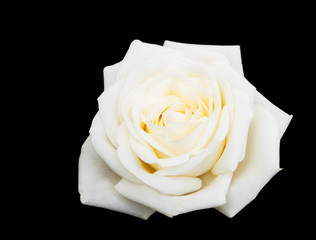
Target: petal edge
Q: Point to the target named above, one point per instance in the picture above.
(261, 162)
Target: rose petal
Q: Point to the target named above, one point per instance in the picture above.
(107, 104)
(211, 195)
(213, 119)
(173, 131)
(283, 119)
(109, 74)
(96, 185)
(261, 162)
(137, 131)
(232, 52)
(236, 144)
(147, 155)
(141, 55)
(165, 185)
(106, 150)
(184, 145)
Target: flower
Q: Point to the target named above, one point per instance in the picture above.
(179, 129)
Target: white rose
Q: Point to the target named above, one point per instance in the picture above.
(179, 129)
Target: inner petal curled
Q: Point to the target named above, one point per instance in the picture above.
(175, 115)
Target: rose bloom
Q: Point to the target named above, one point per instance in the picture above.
(179, 129)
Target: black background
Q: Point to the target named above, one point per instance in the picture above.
(66, 49)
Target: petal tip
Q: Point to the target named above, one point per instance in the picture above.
(83, 199)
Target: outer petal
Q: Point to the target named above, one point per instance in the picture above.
(109, 74)
(96, 185)
(260, 164)
(231, 52)
(211, 195)
(283, 119)
(107, 151)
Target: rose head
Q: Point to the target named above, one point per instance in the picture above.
(179, 129)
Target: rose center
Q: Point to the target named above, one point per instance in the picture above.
(173, 116)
